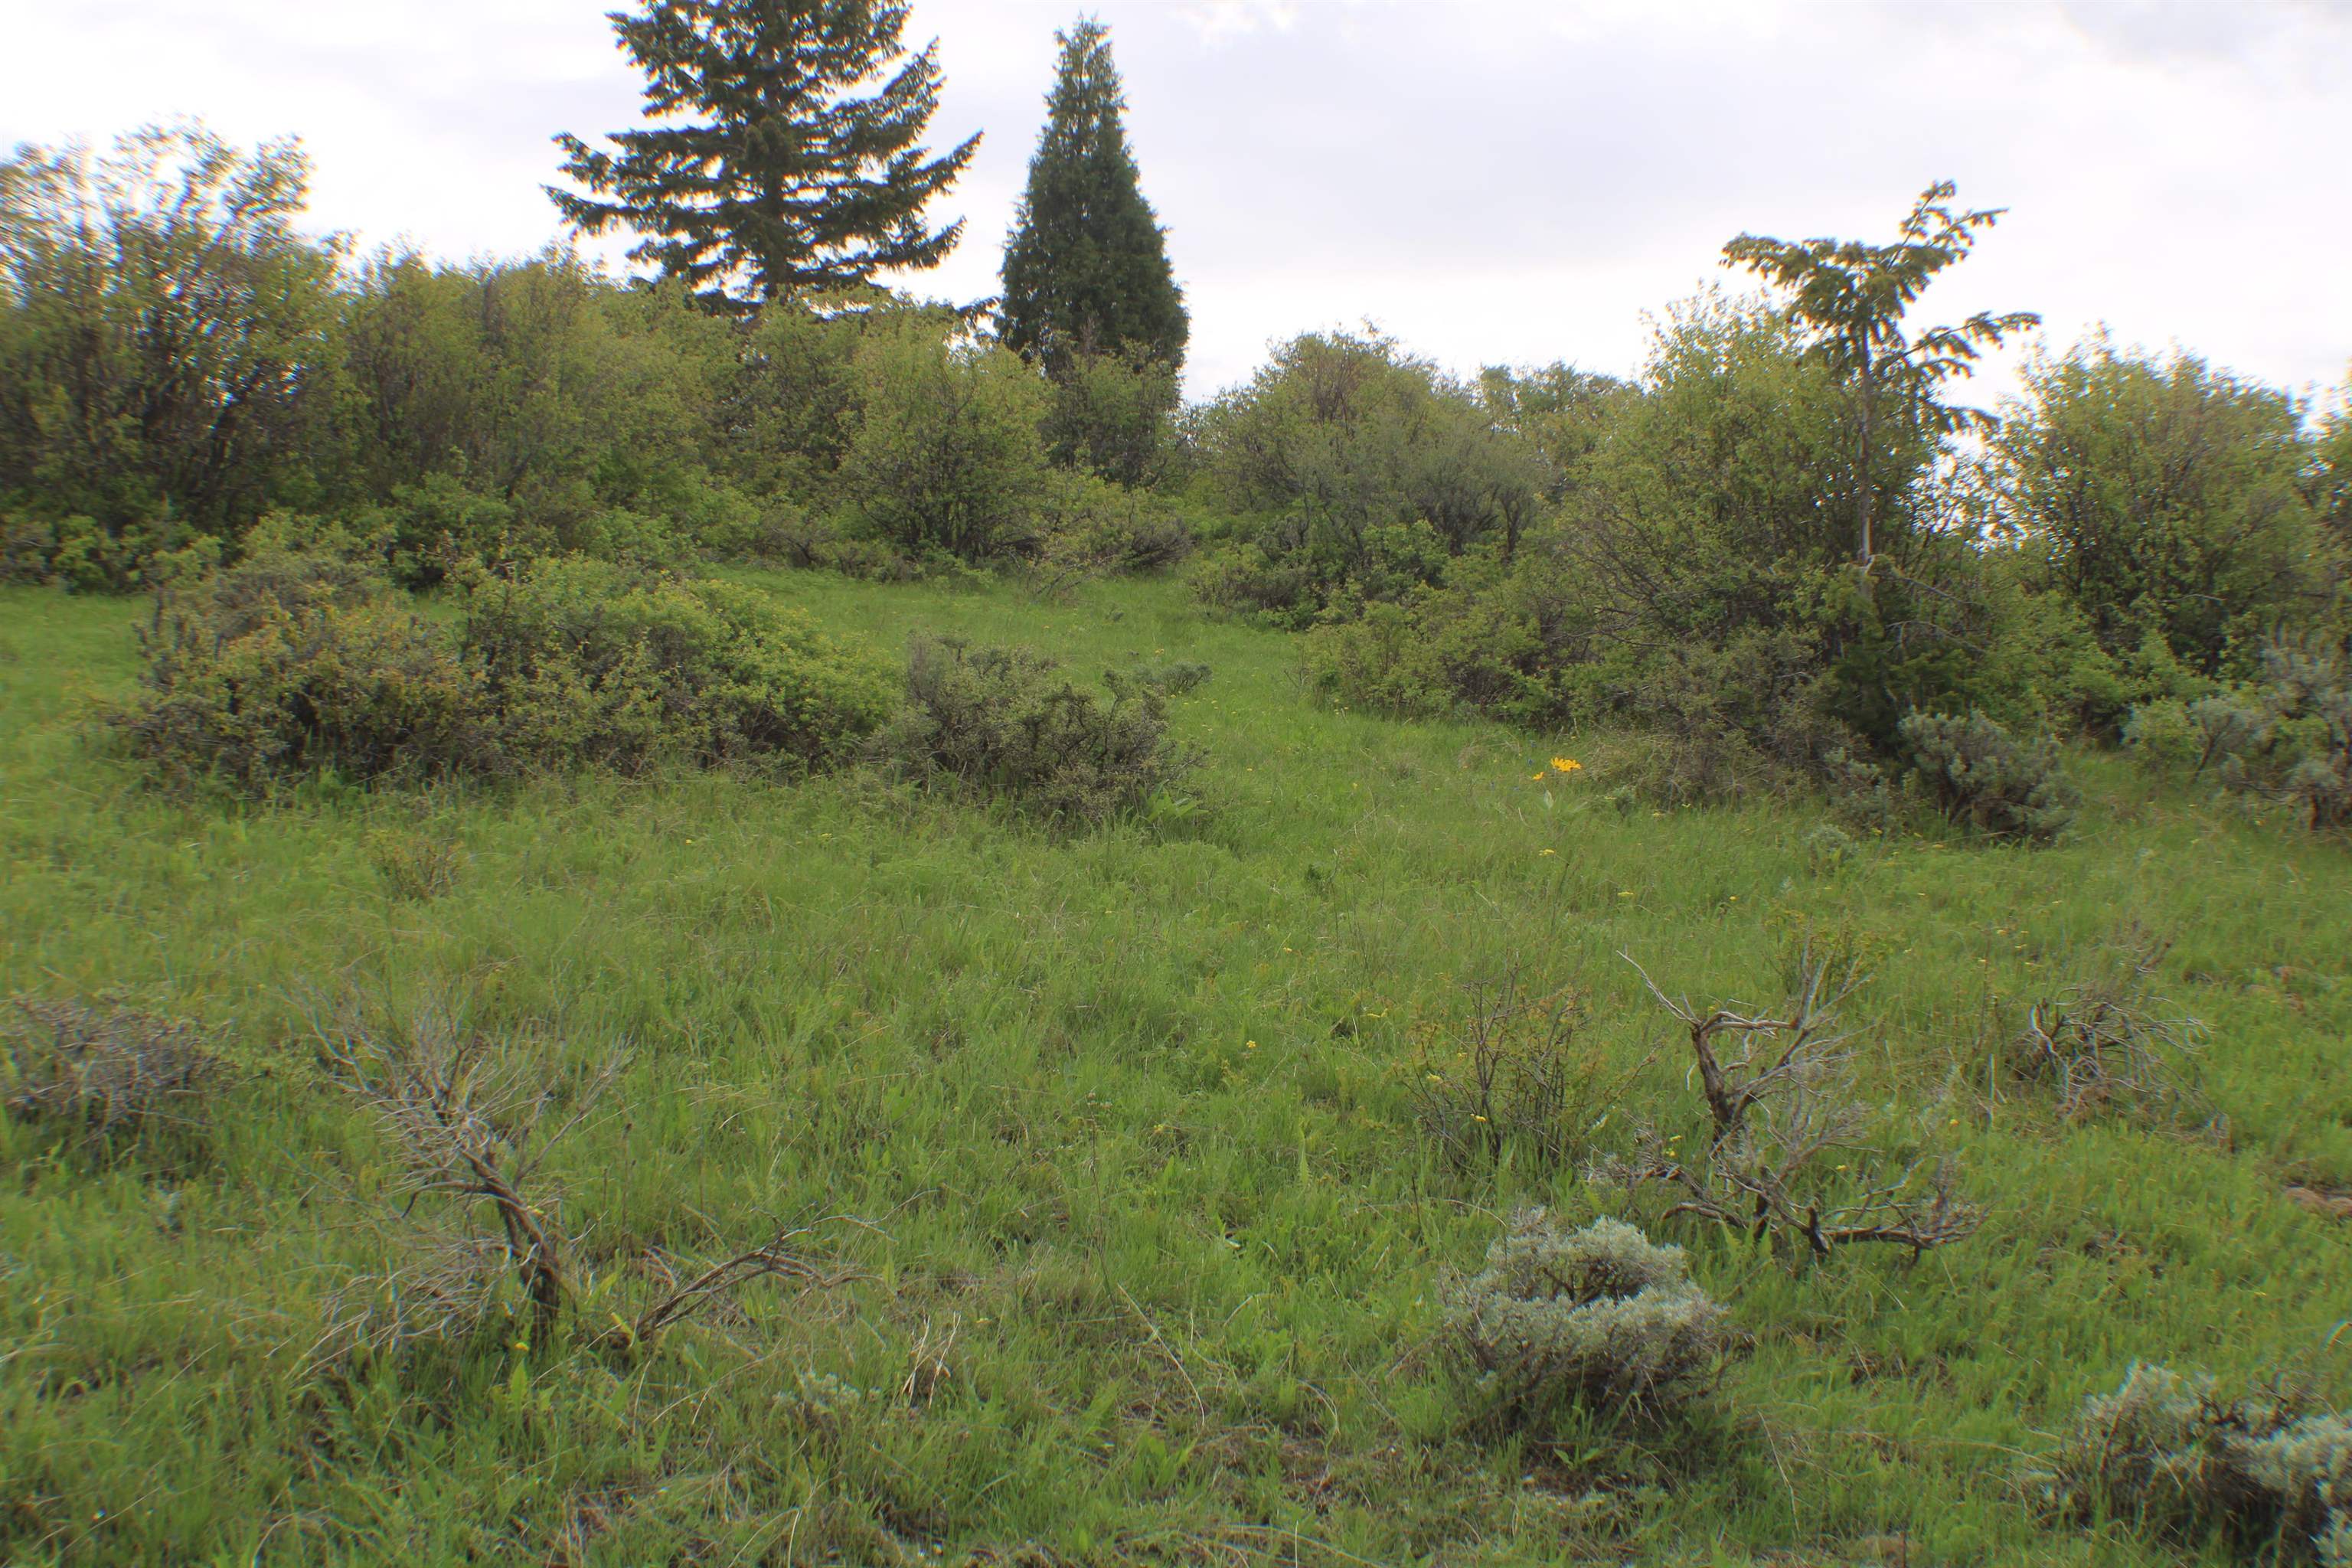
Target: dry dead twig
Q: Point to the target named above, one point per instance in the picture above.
(1777, 1087)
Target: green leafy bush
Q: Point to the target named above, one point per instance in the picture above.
(583, 661)
(946, 457)
(303, 659)
(1007, 722)
(297, 660)
(2163, 497)
(1981, 777)
(1108, 414)
(1363, 472)
(2270, 1472)
(166, 342)
(1598, 1316)
(1086, 526)
(1501, 638)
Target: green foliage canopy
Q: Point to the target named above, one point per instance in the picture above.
(785, 177)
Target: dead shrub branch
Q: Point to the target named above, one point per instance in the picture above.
(1777, 1086)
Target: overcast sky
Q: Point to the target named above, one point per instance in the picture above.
(1489, 180)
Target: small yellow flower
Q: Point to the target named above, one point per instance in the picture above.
(1566, 765)
(1543, 853)
(1538, 777)
(1249, 1045)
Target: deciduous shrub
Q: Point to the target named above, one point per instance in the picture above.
(299, 660)
(1108, 414)
(2270, 1472)
(2165, 498)
(1007, 722)
(581, 661)
(1506, 639)
(947, 455)
(1362, 471)
(302, 659)
(1981, 776)
(166, 340)
(1088, 527)
(1598, 1316)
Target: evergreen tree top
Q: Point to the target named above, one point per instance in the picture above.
(783, 149)
(1086, 269)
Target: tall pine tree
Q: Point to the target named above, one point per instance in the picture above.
(783, 150)
(1086, 269)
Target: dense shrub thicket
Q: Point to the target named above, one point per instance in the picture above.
(302, 658)
(1779, 564)
(178, 359)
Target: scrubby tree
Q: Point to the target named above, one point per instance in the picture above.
(1363, 469)
(2166, 499)
(784, 150)
(166, 332)
(1851, 298)
(1562, 412)
(1086, 269)
(2332, 474)
(946, 458)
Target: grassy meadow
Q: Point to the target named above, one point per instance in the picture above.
(1141, 1244)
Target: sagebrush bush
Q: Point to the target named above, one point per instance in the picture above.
(1598, 1316)
(2270, 1472)
(1983, 777)
(2285, 742)
(1007, 722)
(580, 661)
(105, 1072)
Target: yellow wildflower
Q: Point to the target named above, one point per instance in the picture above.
(1566, 765)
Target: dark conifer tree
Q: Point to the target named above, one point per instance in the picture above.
(765, 171)
(1086, 269)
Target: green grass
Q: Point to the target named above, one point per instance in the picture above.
(1156, 1248)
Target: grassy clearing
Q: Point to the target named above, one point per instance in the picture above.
(1156, 1248)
